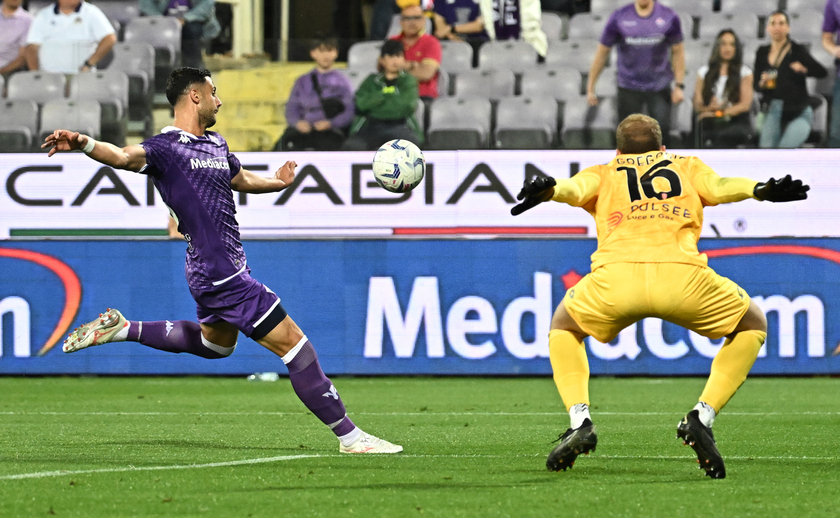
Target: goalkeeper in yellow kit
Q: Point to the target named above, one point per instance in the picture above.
(648, 208)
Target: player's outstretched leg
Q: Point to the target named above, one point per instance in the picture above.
(317, 392)
(179, 336)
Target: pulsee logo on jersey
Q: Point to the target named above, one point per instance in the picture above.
(32, 299)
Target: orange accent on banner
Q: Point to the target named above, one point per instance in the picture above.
(810, 251)
(449, 231)
(72, 290)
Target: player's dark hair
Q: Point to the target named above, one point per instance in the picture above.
(180, 81)
(328, 42)
(638, 134)
(779, 11)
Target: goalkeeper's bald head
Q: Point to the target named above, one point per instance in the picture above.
(638, 134)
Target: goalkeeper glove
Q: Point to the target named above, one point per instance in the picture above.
(785, 189)
(534, 192)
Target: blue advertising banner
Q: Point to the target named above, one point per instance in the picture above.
(404, 306)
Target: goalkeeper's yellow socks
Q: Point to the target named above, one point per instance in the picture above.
(571, 368)
(730, 368)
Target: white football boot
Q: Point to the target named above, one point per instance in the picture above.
(98, 332)
(367, 443)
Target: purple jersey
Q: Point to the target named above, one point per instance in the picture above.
(831, 23)
(193, 177)
(643, 46)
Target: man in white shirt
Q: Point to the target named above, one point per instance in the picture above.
(14, 25)
(68, 37)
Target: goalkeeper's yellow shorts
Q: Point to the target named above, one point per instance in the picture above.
(616, 295)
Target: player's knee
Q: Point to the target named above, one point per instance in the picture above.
(753, 319)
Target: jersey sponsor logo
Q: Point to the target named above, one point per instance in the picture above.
(219, 162)
(20, 308)
(614, 220)
(644, 40)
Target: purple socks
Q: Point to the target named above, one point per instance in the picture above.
(315, 390)
(180, 336)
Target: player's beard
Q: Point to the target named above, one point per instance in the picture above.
(209, 117)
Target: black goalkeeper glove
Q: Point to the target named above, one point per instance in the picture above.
(534, 192)
(786, 189)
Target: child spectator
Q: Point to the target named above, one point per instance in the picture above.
(320, 107)
(14, 25)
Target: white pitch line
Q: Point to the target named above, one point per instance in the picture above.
(265, 460)
(413, 414)
(45, 474)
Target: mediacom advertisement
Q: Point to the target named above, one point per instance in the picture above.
(334, 195)
(392, 307)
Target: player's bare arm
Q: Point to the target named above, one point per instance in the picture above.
(131, 158)
(248, 181)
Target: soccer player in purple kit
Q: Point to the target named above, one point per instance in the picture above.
(645, 31)
(196, 174)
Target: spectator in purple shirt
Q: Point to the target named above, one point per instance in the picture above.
(650, 57)
(830, 35)
(196, 174)
(320, 107)
(14, 25)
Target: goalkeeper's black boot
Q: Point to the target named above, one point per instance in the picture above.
(572, 443)
(700, 438)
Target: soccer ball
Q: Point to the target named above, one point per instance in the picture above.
(398, 165)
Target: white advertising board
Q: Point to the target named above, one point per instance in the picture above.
(464, 193)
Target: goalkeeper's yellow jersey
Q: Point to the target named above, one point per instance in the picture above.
(648, 208)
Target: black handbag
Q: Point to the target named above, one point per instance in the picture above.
(332, 106)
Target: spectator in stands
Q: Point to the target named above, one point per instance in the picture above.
(515, 20)
(320, 107)
(645, 31)
(384, 11)
(723, 95)
(830, 37)
(386, 103)
(422, 51)
(198, 24)
(780, 71)
(14, 25)
(68, 37)
(460, 20)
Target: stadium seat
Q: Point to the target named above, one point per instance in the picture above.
(745, 25)
(164, 34)
(355, 76)
(682, 117)
(515, 55)
(586, 26)
(459, 123)
(119, 10)
(110, 89)
(607, 85)
(819, 130)
(694, 8)
(806, 25)
(577, 54)
(486, 83)
(395, 27)
(364, 55)
(138, 61)
(456, 56)
(526, 123)
(36, 86)
(689, 26)
(750, 47)
(18, 126)
(554, 26)
(797, 6)
(420, 114)
(590, 127)
(606, 7)
(69, 114)
(697, 53)
(825, 85)
(443, 83)
(562, 85)
(759, 7)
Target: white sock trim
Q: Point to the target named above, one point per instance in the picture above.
(219, 349)
(350, 438)
(333, 425)
(122, 334)
(577, 414)
(707, 413)
(294, 351)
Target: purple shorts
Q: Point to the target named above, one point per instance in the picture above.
(242, 301)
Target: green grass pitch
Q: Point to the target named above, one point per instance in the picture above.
(473, 447)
